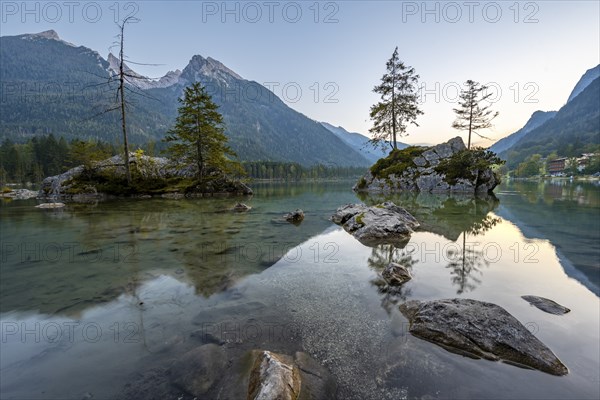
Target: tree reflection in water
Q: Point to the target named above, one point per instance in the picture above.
(466, 264)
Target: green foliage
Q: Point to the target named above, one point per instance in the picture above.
(530, 167)
(399, 102)
(198, 136)
(86, 153)
(45, 156)
(467, 164)
(396, 162)
(362, 183)
(593, 165)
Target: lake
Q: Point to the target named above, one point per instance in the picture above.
(99, 299)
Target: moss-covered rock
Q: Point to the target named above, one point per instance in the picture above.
(397, 162)
(447, 167)
(149, 176)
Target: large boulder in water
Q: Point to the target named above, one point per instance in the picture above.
(384, 223)
(480, 330)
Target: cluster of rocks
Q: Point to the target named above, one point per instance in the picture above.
(468, 327)
(421, 175)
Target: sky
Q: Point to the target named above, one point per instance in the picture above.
(324, 58)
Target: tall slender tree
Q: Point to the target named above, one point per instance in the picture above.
(198, 136)
(471, 114)
(399, 102)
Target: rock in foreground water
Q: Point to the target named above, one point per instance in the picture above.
(480, 330)
(274, 376)
(546, 305)
(198, 370)
(384, 223)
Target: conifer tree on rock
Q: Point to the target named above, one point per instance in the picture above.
(399, 103)
(198, 137)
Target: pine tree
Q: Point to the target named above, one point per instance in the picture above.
(399, 102)
(198, 135)
(471, 115)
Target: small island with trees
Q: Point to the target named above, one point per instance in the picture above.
(446, 167)
(201, 163)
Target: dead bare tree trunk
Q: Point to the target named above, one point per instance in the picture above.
(122, 98)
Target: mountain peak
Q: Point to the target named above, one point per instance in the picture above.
(211, 67)
(49, 34)
(114, 63)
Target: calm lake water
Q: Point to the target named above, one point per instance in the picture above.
(94, 296)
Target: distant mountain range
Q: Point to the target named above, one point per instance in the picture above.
(573, 129)
(52, 86)
(537, 118)
(361, 143)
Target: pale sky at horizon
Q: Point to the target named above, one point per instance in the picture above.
(534, 52)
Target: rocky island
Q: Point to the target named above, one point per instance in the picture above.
(151, 176)
(446, 167)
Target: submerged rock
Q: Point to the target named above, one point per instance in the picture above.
(317, 382)
(274, 376)
(383, 223)
(546, 305)
(480, 330)
(395, 274)
(295, 217)
(198, 370)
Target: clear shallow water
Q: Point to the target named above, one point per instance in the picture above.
(94, 296)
